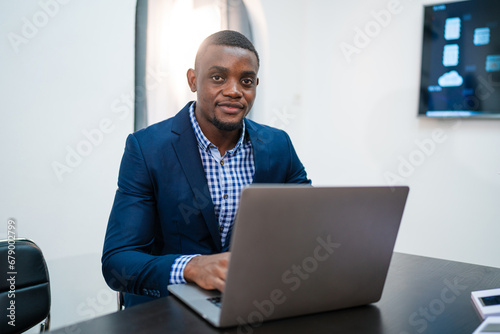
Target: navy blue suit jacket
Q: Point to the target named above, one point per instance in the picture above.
(163, 208)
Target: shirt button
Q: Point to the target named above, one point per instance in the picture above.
(222, 162)
(221, 228)
(226, 196)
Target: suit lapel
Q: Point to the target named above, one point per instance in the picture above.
(186, 149)
(260, 154)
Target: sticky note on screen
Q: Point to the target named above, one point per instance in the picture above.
(450, 55)
(493, 63)
(481, 36)
(452, 28)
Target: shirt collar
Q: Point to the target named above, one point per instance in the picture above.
(203, 141)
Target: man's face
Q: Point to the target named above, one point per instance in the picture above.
(225, 79)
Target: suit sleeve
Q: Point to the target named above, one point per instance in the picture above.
(296, 172)
(126, 263)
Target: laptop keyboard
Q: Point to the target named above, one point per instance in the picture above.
(216, 300)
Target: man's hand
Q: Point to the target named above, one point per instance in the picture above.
(208, 271)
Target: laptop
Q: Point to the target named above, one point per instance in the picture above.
(299, 250)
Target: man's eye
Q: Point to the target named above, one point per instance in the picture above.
(217, 78)
(247, 81)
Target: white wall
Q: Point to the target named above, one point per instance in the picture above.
(350, 121)
(353, 122)
(67, 74)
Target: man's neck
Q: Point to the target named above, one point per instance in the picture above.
(223, 140)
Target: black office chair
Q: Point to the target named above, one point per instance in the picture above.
(24, 287)
(120, 301)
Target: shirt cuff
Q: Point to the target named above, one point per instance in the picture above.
(177, 271)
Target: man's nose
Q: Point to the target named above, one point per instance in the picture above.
(232, 89)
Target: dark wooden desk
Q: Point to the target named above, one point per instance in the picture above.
(421, 295)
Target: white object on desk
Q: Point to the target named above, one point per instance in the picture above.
(490, 326)
(487, 302)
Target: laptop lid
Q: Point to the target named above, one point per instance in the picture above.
(300, 249)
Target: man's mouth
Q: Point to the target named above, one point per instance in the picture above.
(230, 107)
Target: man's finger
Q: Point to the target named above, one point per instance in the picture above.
(219, 284)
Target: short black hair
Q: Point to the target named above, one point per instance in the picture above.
(229, 38)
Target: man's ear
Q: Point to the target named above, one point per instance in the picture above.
(191, 77)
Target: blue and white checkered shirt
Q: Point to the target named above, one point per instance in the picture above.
(226, 177)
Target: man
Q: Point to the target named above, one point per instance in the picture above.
(180, 179)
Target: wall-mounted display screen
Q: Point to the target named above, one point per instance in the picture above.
(461, 60)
